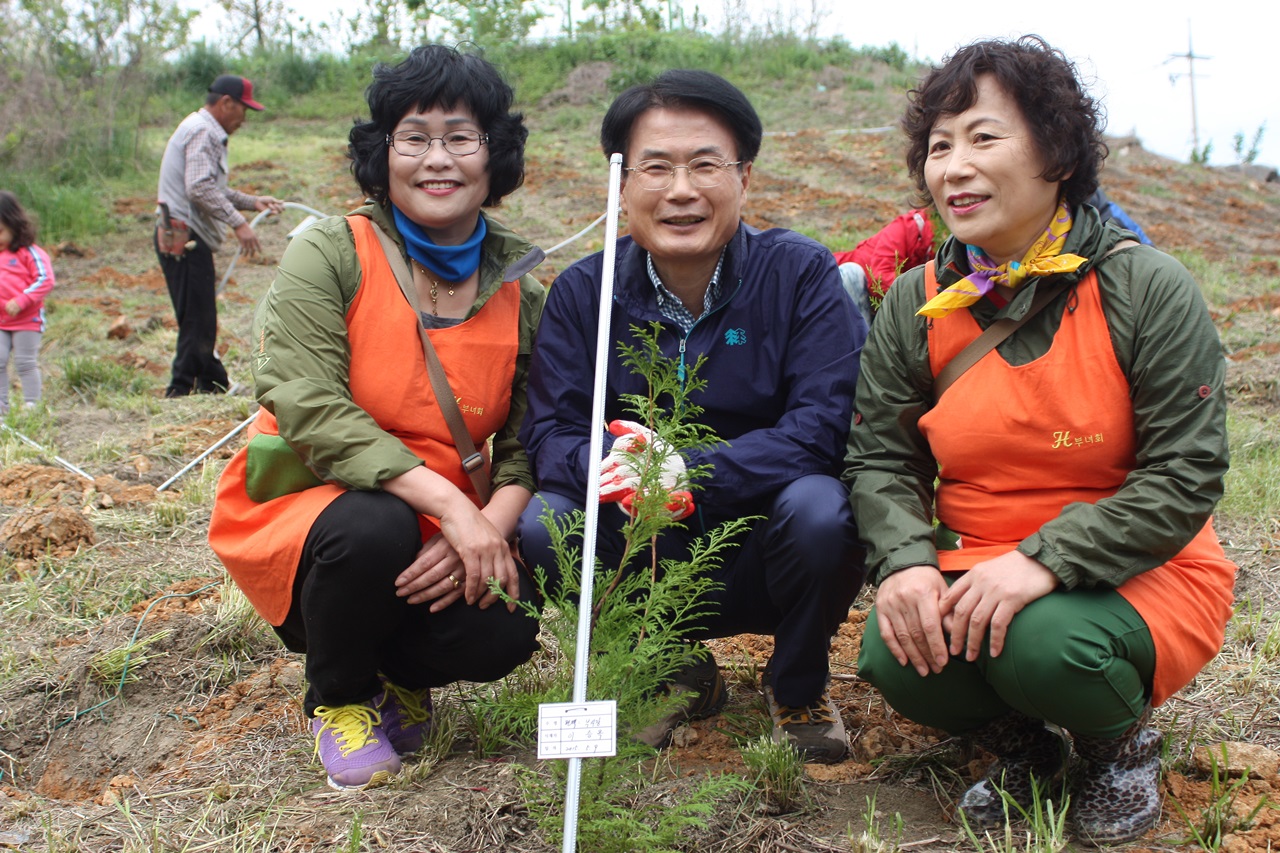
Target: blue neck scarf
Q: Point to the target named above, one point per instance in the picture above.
(451, 263)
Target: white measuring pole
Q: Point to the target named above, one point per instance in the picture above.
(46, 451)
(194, 462)
(573, 787)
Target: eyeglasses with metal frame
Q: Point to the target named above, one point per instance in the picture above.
(415, 143)
(703, 172)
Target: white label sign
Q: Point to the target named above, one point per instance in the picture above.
(578, 730)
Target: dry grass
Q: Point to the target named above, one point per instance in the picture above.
(207, 751)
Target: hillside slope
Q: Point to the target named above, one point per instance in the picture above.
(205, 749)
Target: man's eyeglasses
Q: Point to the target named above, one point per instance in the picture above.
(703, 172)
(459, 143)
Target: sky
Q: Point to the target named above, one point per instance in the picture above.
(1131, 53)
(1124, 51)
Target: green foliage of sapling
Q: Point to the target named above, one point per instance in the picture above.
(641, 621)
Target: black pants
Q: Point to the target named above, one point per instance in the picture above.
(794, 575)
(192, 285)
(346, 616)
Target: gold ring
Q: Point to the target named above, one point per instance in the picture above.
(455, 580)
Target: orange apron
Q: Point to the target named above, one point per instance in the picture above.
(261, 543)
(1016, 445)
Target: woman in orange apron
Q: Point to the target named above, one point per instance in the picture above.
(1073, 577)
(349, 519)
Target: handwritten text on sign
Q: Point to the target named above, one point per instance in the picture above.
(578, 730)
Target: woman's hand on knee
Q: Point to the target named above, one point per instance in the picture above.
(435, 575)
(909, 618)
(484, 552)
(985, 599)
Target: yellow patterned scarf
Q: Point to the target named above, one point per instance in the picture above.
(1043, 258)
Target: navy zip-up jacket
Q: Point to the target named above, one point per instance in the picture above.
(782, 347)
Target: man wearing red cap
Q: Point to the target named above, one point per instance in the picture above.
(195, 207)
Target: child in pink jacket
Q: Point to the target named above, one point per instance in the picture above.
(26, 275)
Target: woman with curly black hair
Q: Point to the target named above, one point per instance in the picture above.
(1073, 579)
(352, 520)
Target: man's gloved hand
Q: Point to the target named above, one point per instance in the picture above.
(620, 471)
(679, 504)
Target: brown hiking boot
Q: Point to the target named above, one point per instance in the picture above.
(815, 730)
(700, 692)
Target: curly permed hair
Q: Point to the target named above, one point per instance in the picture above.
(1065, 120)
(436, 76)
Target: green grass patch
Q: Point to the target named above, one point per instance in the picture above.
(63, 211)
(1221, 281)
(1157, 190)
(93, 375)
(1253, 483)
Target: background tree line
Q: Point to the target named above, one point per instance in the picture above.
(85, 84)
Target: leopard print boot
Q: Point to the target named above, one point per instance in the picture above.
(1029, 754)
(1116, 796)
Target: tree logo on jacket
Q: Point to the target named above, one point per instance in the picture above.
(735, 337)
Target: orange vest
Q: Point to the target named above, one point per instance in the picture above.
(1016, 444)
(261, 543)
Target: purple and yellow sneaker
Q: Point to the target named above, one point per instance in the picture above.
(406, 716)
(354, 749)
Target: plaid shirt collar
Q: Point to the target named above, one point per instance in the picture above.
(670, 306)
(218, 131)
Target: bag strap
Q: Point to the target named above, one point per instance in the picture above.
(1000, 329)
(472, 460)
(987, 341)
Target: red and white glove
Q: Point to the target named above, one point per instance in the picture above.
(620, 471)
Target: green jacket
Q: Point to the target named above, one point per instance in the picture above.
(1166, 345)
(301, 349)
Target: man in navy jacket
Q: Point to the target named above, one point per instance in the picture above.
(781, 342)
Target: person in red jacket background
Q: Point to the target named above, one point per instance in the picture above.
(26, 275)
(867, 270)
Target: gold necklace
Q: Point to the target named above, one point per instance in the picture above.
(435, 292)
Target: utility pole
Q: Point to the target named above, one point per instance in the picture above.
(1190, 57)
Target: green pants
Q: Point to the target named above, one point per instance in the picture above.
(1081, 659)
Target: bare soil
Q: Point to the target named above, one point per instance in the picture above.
(206, 750)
